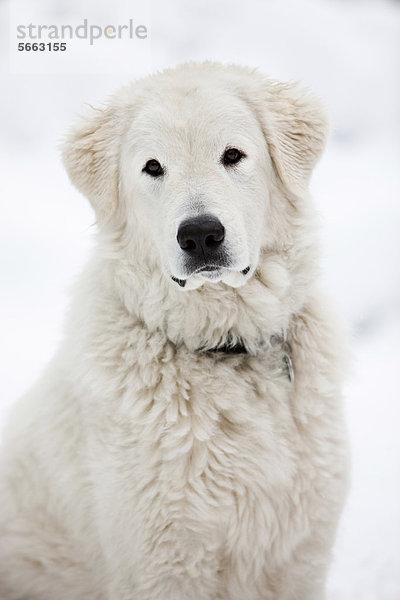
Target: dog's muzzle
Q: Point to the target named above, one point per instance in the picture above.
(201, 239)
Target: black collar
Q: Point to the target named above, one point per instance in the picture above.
(230, 348)
(238, 347)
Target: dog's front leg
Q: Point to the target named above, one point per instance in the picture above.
(161, 571)
(151, 556)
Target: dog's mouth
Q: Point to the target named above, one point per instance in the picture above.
(208, 268)
(208, 271)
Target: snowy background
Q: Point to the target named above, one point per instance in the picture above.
(348, 52)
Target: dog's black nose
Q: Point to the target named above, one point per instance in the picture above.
(200, 236)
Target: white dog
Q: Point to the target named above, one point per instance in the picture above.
(187, 441)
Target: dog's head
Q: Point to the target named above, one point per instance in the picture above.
(190, 159)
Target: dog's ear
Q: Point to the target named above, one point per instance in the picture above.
(90, 156)
(296, 127)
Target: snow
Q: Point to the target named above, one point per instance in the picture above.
(348, 52)
(368, 548)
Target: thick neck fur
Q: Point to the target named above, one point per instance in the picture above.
(128, 276)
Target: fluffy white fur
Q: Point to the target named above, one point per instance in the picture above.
(140, 468)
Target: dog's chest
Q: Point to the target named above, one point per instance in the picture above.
(209, 443)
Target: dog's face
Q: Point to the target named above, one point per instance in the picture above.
(188, 159)
(195, 171)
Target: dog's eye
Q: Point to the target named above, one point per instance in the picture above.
(232, 156)
(153, 168)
